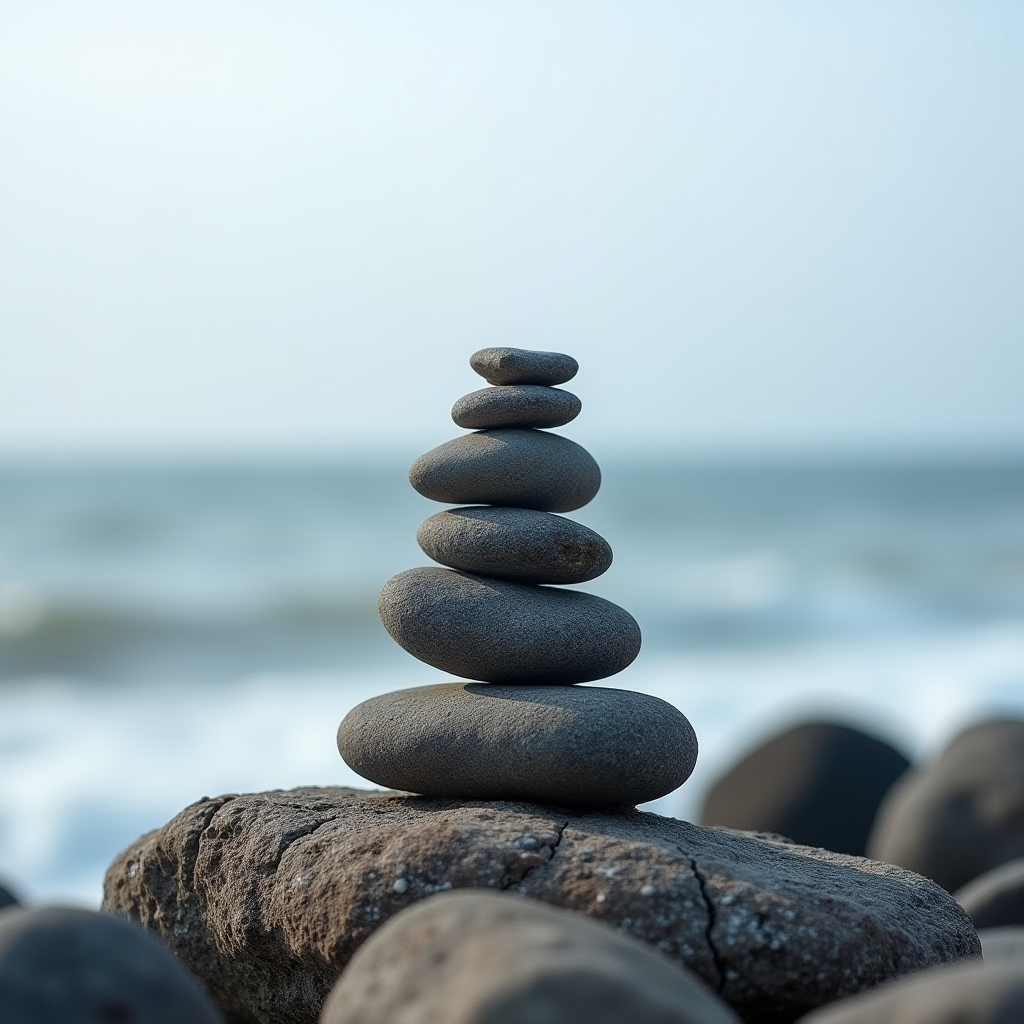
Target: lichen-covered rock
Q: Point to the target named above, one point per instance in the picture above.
(268, 896)
(473, 957)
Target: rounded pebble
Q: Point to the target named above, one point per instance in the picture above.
(523, 366)
(517, 405)
(63, 965)
(515, 544)
(524, 468)
(580, 746)
(504, 632)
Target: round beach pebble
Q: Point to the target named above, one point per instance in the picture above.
(498, 631)
(476, 957)
(572, 746)
(973, 992)
(523, 366)
(516, 405)
(63, 965)
(961, 814)
(515, 544)
(525, 468)
(995, 898)
(818, 783)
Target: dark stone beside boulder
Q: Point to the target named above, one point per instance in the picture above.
(962, 814)
(995, 898)
(497, 631)
(572, 746)
(267, 896)
(481, 958)
(523, 366)
(523, 468)
(819, 783)
(973, 993)
(7, 898)
(64, 965)
(516, 405)
(516, 544)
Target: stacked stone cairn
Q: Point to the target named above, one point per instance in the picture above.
(499, 614)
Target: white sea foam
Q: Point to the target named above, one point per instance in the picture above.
(88, 769)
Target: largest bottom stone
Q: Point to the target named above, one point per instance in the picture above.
(267, 896)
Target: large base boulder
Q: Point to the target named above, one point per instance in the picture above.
(268, 896)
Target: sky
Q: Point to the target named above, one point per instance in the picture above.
(283, 225)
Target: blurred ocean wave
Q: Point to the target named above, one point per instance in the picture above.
(171, 631)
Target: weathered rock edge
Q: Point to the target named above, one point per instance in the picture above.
(267, 896)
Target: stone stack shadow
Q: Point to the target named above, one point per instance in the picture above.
(498, 614)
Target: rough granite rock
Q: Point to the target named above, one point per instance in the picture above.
(819, 783)
(523, 468)
(515, 544)
(496, 631)
(995, 898)
(475, 957)
(577, 746)
(65, 965)
(979, 992)
(523, 366)
(267, 896)
(961, 814)
(516, 405)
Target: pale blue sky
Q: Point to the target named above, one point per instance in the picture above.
(285, 225)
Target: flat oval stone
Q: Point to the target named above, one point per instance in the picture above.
(503, 632)
(515, 544)
(523, 366)
(572, 746)
(523, 468)
(516, 405)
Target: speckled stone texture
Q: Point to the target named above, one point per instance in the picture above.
(523, 468)
(515, 543)
(975, 993)
(819, 783)
(961, 814)
(267, 896)
(497, 631)
(65, 965)
(575, 746)
(995, 898)
(523, 366)
(516, 405)
(472, 957)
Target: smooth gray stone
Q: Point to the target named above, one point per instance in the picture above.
(523, 366)
(475, 957)
(64, 965)
(524, 468)
(1000, 943)
(975, 992)
(503, 632)
(517, 405)
(571, 746)
(995, 898)
(267, 896)
(515, 544)
(961, 814)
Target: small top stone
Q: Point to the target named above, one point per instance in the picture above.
(523, 366)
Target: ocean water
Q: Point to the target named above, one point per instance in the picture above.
(174, 631)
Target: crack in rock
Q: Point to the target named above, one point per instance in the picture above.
(712, 918)
(551, 848)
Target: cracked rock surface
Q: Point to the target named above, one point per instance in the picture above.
(267, 896)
